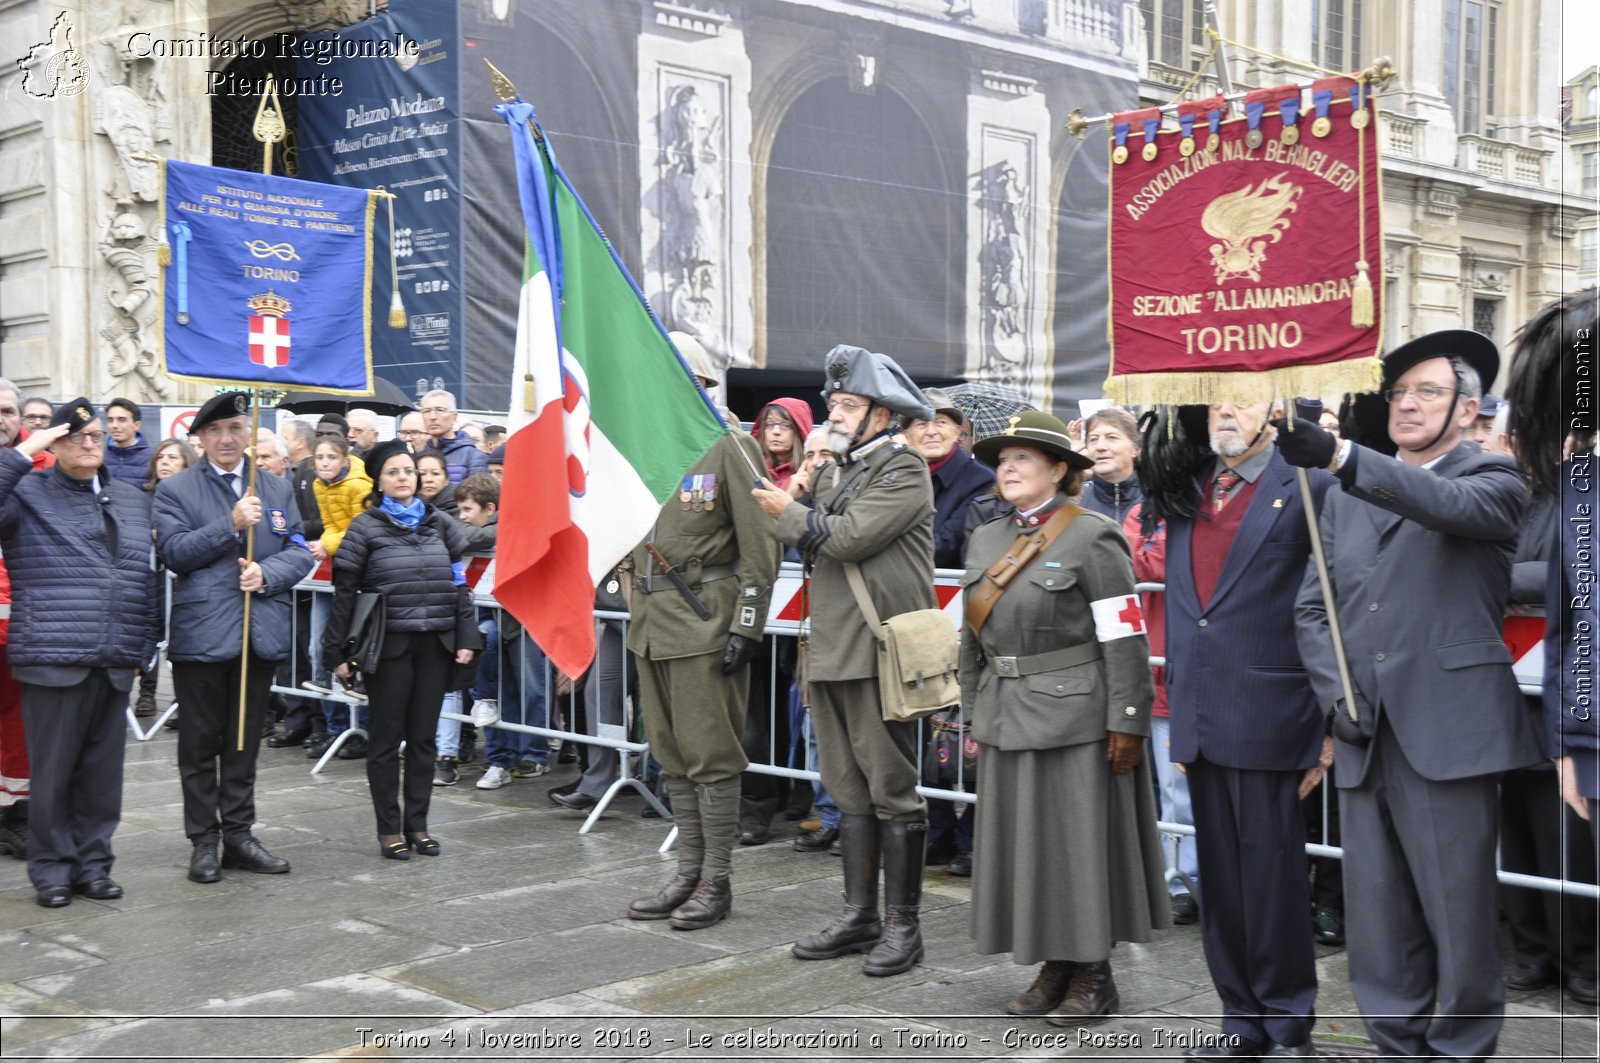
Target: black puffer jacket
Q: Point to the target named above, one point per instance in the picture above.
(83, 589)
(414, 571)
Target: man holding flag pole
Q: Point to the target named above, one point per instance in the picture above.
(586, 475)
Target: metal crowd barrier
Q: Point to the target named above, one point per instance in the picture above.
(785, 621)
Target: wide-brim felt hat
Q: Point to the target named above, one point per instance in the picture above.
(220, 408)
(382, 452)
(941, 402)
(1473, 348)
(878, 377)
(1032, 429)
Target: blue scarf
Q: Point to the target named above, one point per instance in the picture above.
(408, 513)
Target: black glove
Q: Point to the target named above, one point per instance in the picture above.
(1307, 446)
(1355, 733)
(740, 652)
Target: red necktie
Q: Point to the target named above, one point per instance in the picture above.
(1226, 480)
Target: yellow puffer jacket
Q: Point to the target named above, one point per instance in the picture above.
(341, 502)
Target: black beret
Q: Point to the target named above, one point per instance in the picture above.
(76, 414)
(1473, 348)
(220, 408)
(382, 452)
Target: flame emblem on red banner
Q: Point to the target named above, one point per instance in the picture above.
(1246, 221)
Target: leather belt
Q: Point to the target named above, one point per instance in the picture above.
(644, 584)
(1016, 667)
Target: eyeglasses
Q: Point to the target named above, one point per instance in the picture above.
(847, 405)
(38, 420)
(407, 433)
(1424, 393)
(776, 424)
(86, 439)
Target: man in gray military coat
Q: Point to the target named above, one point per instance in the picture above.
(873, 508)
(1420, 551)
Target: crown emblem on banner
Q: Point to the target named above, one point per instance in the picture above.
(271, 304)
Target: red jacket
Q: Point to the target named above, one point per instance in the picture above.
(1150, 566)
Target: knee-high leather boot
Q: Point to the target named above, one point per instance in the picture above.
(691, 853)
(859, 928)
(901, 947)
(712, 898)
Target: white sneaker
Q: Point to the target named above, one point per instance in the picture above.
(320, 688)
(494, 778)
(485, 712)
(347, 687)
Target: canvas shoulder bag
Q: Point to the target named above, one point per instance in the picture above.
(917, 656)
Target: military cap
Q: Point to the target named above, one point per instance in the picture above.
(1473, 348)
(1031, 429)
(700, 361)
(943, 403)
(875, 376)
(220, 408)
(1490, 406)
(382, 452)
(76, 414)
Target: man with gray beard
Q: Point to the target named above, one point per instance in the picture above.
(1248, 730)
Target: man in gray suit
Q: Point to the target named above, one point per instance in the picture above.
(1419, 551)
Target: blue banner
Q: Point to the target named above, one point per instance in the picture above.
(395, 125)
(263, 276)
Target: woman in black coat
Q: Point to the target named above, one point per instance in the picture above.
(405, 550)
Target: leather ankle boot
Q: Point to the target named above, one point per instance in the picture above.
(709, 905)
(662, 905)
(900, 949)
(1091, 998)
(1046, 991)
(859, 928)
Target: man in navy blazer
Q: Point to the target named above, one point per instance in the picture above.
(1247, 728)
(1419, 553)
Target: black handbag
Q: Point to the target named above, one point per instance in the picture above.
(363, 647)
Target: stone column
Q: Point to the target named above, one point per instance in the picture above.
(1008, 219)
(694, 160)
(92, 116)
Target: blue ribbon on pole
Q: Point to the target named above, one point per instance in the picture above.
(181, 236)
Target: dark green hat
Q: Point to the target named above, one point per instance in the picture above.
(1031, 429)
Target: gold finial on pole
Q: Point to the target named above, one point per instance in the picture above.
(502, 85)
(1381, 70)
(269, 127)
(1077, 124)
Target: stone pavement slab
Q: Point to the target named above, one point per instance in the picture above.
(514, 945)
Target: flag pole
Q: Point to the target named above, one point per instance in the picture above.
(268, 129)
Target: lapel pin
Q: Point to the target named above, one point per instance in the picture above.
(1277, 503)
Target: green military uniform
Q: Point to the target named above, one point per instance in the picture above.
(1070, 861)
(874, 510)
(878, 513)
(715, 535)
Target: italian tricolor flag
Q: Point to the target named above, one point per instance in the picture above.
(605, 417)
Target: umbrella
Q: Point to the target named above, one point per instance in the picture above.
(387, 399)
(988, 406)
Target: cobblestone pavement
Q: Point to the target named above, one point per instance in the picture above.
(513, 945)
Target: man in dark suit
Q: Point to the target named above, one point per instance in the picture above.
(1248, 731)
(1419, 551)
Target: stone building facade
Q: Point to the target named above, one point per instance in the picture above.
(973, 246)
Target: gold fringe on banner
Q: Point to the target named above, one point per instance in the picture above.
(1201, 389)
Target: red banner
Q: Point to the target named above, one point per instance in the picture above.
(1245, 251)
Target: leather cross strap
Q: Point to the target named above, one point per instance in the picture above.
(982, 599)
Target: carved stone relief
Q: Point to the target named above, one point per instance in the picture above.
(691, 204)
(1005, 256)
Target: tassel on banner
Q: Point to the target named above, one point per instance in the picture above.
(397, 311)
(1361, 298)
(163, 249)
